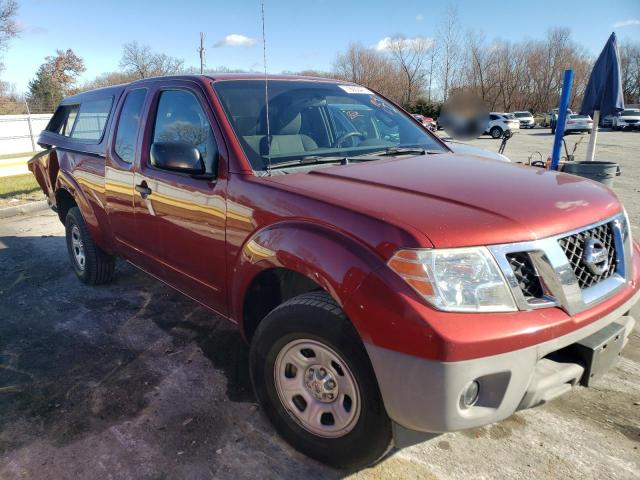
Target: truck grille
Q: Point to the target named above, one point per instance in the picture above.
(573, 247)
(526, 275)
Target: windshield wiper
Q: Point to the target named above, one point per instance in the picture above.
(310, 160)
(398, 151)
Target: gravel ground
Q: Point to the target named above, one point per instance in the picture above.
(134, 381)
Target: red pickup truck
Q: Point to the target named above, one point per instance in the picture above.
(387, 286)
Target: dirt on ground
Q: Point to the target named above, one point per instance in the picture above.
(134, 381)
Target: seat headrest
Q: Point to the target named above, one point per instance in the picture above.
(289, 124)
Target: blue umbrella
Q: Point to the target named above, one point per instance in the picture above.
(603, 95)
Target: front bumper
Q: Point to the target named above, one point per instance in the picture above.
(424, 395)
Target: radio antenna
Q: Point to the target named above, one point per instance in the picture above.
(266, 91)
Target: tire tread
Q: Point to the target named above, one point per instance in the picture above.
(99, 265)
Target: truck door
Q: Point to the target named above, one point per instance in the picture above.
(182, 218)
(119, 173)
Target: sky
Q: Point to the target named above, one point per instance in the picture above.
(301, 35)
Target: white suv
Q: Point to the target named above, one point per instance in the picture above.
(627, 120)
(526, 119)
(500, 123)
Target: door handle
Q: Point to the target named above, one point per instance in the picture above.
(143, 190)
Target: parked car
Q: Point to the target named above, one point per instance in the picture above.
(526, 119)
(627, 120)
(384, 294)
(426, 122)
(578, 124)
(554, 118)
(606, 121)
(550, 118)
(500, 123)
(420, 118)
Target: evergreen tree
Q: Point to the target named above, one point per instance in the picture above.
(44, 92)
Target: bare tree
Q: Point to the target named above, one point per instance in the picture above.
(8, 24)
(410, 55)
(432, 58)
(630, 71)
(140, 60)
(449, 49)
(108, 79)
(371, 69)
(480, 67)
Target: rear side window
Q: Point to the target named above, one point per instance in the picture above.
(70, 121)
(92, 119)
(129, 124)
(63, 120)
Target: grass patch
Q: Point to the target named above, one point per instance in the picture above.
(4, 156)
(19, 189)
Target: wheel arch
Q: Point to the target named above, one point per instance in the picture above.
(290, 258)
(72, 194)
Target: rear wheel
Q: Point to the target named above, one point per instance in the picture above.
(315, 383)
(89, 262)
(495, 132)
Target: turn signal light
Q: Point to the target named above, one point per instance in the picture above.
(408, 265)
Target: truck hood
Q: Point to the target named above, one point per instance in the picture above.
(457, 200)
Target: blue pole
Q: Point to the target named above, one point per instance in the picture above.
(562, 117)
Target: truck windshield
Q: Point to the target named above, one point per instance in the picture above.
(316, 118)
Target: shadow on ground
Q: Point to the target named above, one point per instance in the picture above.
(60, 364)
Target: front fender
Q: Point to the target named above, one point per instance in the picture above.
(335, 261)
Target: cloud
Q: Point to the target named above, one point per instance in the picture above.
(632, 22)
(235, 40)
(419, 17)
(386, 43)
(30, 29)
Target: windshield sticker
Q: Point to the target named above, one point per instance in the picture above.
(353, 114)
(355, 89)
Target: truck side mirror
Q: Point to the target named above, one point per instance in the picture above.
(176, 156)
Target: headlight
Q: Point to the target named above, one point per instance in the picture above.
(456, 279)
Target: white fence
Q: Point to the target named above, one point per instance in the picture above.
(19, 133)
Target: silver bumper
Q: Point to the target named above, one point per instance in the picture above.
(424, 395)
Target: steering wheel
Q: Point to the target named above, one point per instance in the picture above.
(342, 138)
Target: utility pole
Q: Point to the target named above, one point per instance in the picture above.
(201, 52)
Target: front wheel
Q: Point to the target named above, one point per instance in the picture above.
(495, 132)
(315, 383)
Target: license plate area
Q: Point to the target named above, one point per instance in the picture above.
(598, 352)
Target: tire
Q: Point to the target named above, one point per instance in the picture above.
(310, 330)
(495, 132)
(89, 262)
